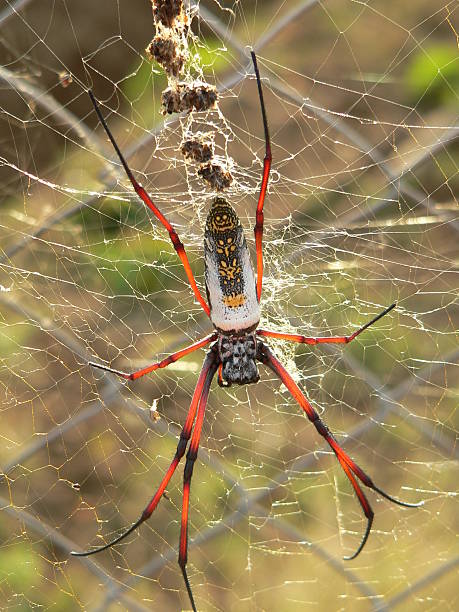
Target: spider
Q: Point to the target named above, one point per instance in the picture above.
(233, 297)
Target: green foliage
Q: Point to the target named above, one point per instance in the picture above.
(212, 54)
(108, 219)
(12, 336)
(137, 268)
(145, 82)
(20, 568)
(433, 75)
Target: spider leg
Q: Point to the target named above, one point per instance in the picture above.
(258, 229)
(350, 468)
(221, 382)
(143, 195)
(160, 364)
(266, 333)
(187, 474)
(367, 509)
(209, 363)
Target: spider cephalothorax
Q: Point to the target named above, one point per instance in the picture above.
(238, 358)
(234, 309)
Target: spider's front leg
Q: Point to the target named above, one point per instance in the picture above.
(159, 364)
(266, 333)
(187, 474)
(202, 384)
(351, 469)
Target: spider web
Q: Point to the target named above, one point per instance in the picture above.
(361, 211)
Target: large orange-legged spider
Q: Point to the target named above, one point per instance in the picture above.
(233, 306)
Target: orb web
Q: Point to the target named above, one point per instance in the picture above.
(361, 211)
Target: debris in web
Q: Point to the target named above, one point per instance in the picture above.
(164, 51)
(185, 94)
(154, 414)
(166, 12)
(65, 79)
(169, 46)
(216, 176)
(198, 147)
(187, 97)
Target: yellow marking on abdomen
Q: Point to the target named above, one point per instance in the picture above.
(234, 300)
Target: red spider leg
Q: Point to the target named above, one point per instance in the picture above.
(349, 466)
(181, 448)
(326, 340)
(143, 195)
(258, 230)
(365, 504)
(220, 375)
(187, 474)
(160, 364)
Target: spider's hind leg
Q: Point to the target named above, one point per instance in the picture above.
(143, 195)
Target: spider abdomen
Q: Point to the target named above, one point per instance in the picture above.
(230, 279)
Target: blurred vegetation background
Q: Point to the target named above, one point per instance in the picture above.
(361, 211)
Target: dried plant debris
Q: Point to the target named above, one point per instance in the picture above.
(166, 12)
(169, 46)
(164, 50)
(196, 96)
(65, 79)
(217, 177)
(198, 148)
